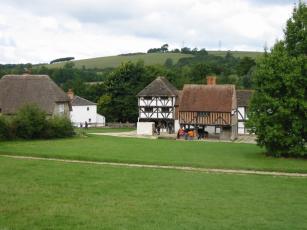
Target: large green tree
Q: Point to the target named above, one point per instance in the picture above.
(278, 112)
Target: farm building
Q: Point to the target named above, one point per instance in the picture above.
(17, 91)
(211, 108)
(243, 98)
(84, 111)
(156, 104)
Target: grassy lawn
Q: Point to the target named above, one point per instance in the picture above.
(104, 130)
(54, 195)
(164, 152)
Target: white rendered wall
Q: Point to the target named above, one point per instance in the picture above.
(177, 126)
(101, 120)
(145, 128)
(80, 114)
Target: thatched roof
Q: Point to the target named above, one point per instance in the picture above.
(80, 101)
(159, 87)
(208, 98)
(243, 97)
(19, 90)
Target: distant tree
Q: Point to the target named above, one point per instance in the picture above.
(175, 51)
(186, 50)
(164, 48)
(245, 64)
(62, 59)
(278, 112)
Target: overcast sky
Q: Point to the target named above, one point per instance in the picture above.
(39, 31)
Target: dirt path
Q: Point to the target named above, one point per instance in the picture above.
(182, 168)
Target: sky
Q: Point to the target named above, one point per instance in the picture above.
(38, 31)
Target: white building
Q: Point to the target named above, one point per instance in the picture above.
(84, 111)
(243, 98)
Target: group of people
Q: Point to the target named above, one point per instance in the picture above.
(85, 125)
(190, 134)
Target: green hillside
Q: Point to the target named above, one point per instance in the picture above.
(114, 61)
(149, 59)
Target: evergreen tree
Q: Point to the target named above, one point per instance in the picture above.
(278, 112)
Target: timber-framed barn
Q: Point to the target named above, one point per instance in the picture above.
(211, 108)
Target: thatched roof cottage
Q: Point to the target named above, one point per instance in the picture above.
(17, 91)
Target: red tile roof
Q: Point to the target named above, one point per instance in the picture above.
(209, 98)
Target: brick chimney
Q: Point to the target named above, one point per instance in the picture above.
(70, 94)
(211, 80)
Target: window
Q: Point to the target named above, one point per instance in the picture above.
(88, 108)
(203, 114)
(148, 98)
(165, 110)
(89, 120)
(148, 110)
(61, 108)
(164, 98)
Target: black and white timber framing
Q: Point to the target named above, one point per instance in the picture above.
(156, 103)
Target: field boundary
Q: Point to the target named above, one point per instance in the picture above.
(151, 166)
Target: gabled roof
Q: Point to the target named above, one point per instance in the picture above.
(159, 87)
(208, 98)
(243, 97)
(19, 90)
(80, 101)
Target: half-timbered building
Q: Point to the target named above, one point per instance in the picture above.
(243, 98)
(209, 107)
(156, 103)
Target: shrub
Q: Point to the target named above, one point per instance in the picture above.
(29, 122)
(58, 127)
(4, 128)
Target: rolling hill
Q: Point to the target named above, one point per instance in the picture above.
(149, 59)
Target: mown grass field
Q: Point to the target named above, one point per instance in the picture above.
(149, 59)
(56, 195)
(162, 152)
(103, 130)
(114, 61)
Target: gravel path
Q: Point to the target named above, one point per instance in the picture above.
(182, 168)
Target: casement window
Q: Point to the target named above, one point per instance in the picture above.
(61, 108)
(165, 110)
(203, 114)
(148, 110)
